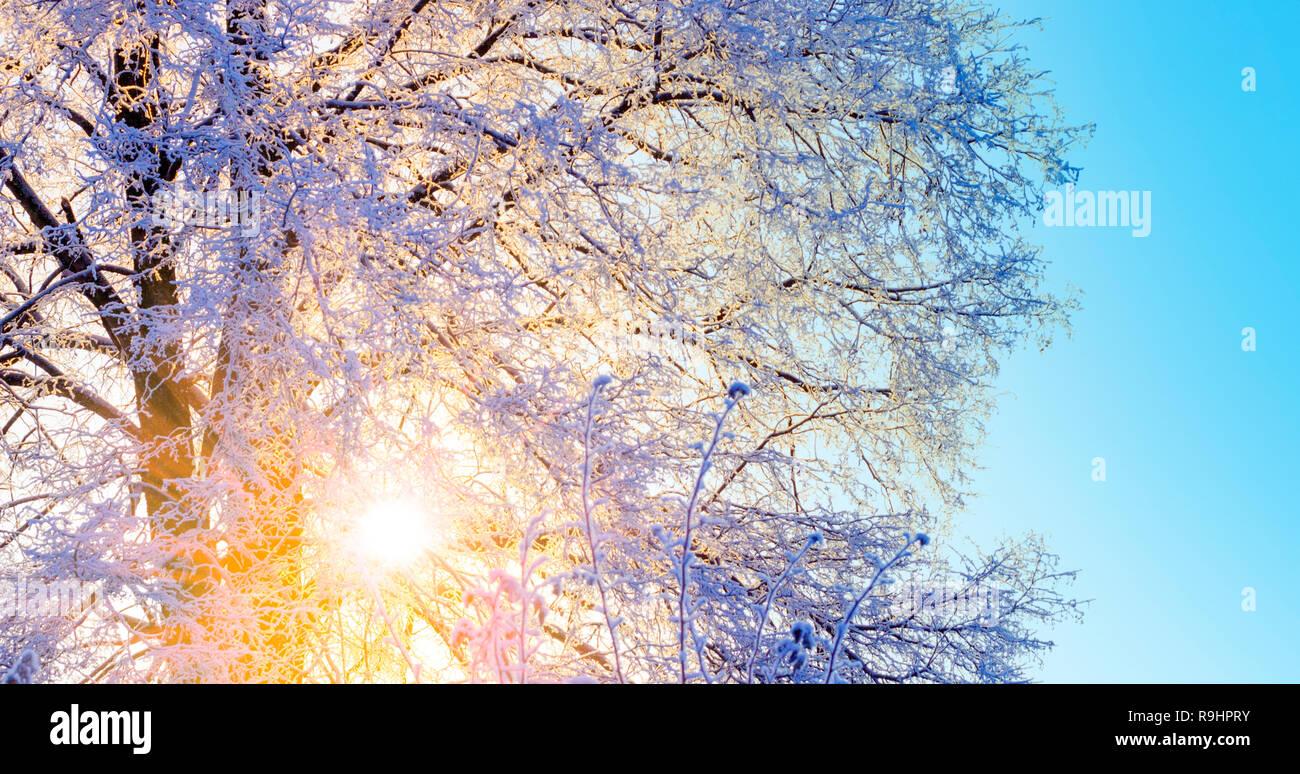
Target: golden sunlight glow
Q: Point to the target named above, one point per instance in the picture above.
(394, 532)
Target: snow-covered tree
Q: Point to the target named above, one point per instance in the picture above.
(613, 340)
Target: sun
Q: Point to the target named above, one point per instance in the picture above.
(394, 532)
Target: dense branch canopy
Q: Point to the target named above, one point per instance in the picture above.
(459, 214)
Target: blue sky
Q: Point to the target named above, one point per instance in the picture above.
(1199, 437)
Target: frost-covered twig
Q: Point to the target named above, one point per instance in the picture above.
(593, 543)
(812, 540)
(737, 391)
(527, 597)
(921, 539)
(24, 669)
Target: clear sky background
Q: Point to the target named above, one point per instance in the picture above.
(1199, 437)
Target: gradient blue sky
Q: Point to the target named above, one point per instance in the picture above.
(1199, 437)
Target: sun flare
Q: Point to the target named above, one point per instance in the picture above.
(394, 532)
